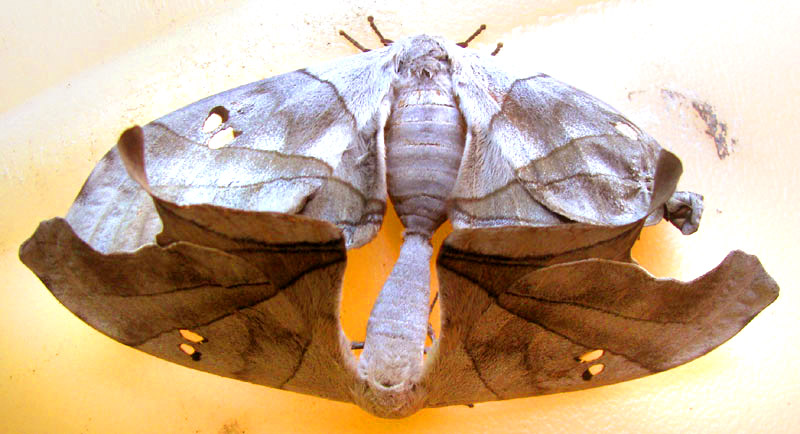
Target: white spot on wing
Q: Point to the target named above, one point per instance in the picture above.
(591, 356)
(596, 369)
(221, 138)
(213, 121)
(191, 336)
(626, 130)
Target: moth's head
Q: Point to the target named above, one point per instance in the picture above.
(423, 56)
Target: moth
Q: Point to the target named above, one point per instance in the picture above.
(215, 237)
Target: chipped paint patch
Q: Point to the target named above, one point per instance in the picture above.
(698, 118)
(717, 129)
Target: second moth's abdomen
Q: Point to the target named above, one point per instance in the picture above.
(425, 138)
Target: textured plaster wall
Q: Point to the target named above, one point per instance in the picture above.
(74, 75)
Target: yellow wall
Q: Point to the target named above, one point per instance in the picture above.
(73, 77)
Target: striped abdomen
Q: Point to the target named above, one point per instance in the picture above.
(425, 138)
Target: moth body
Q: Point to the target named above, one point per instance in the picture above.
(424, 142)
(425, 135)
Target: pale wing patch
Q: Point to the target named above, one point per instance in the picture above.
(591, 356)
(221, 138)
(213, 121)
(626, 130)
(593, 371)
(190, 351)
(192, 336)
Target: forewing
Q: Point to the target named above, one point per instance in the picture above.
(305, 142)
(540, 152)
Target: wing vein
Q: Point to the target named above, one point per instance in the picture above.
(543, 326)
(239, 308)
(593, 308)
(539, 260)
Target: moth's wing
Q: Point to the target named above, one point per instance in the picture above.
(307, 142)
(516, 321)
(540, 152)
(521, 305)
(231, 262)
(262, 289)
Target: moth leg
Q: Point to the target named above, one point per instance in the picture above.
(472, 36)
(353, 41)
(384, 41)
(357, 345)
(431, 332)
(684, 210)
(433, 303)
(497, 50)
(371, 20)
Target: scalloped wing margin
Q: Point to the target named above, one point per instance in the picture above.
(517, 325)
